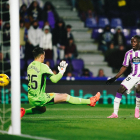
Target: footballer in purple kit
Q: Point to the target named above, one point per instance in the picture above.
(133, 79)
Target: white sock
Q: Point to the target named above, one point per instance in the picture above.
(137, 102)
(116, 105)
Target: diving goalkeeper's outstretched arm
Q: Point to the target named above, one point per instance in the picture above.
(62, 69)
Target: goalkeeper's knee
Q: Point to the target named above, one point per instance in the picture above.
(41, 109)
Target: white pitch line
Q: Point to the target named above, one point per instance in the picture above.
(28, 136)
(34, 137)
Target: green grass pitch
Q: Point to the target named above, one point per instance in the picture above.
(81, 122)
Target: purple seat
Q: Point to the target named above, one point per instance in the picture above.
(126, 33)
(25, 73)
(29, 61)
(91, 23)
(22, 64)
(22, 67)
(78, 65)
(134, 32)
(41, 24)
(76, 74)
(95, 33)
(116, 22)
(51, 62)
(91, 74)
(103, 22)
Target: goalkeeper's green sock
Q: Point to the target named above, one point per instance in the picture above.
(76, 100)
(32, 110)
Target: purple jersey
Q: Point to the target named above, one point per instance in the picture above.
(134, 58)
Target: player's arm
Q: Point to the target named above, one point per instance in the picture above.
(122, 70)
(62, 68)
(56, 77)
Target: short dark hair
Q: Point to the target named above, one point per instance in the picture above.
(37, 51)
(68, 26)
(34, 22)
(137, 37)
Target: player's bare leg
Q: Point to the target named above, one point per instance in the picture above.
(60, 97)
(137, 101)
(75, 100)
(117, 101)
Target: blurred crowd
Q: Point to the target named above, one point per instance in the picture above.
(41, 26)
(112, 23)
(113, 47)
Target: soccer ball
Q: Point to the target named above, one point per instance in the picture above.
(4, 80)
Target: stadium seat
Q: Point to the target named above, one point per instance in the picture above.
(22, 67)
(91, 74)
(95, 33)
(41, 24)
(91, 23)
(116, 22)
(78, 65)
(58, 61)
(29, 61)
(129, 33)
(103, 22)
(126, 33)
(51, 62)
(134, 32)
(76, 74)
(22, 64)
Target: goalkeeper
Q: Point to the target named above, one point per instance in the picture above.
(37, 73)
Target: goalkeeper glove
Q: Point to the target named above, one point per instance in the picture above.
(110, 81)
(62, 67)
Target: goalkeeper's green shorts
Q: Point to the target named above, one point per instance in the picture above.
(47, 98)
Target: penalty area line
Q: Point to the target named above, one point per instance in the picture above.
(27, 136)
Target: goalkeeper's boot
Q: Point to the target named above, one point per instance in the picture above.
(94, 99)
(113, 116)
(22, 112)
(136, 112)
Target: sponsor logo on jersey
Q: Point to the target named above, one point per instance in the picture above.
(136, 60)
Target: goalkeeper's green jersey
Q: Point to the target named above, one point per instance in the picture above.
(37, 73)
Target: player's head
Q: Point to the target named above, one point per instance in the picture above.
(68, 28)
(35, 24)
(135, 42)
(39, 54)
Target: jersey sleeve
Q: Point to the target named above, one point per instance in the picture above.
(126, 59)
(46, 70)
